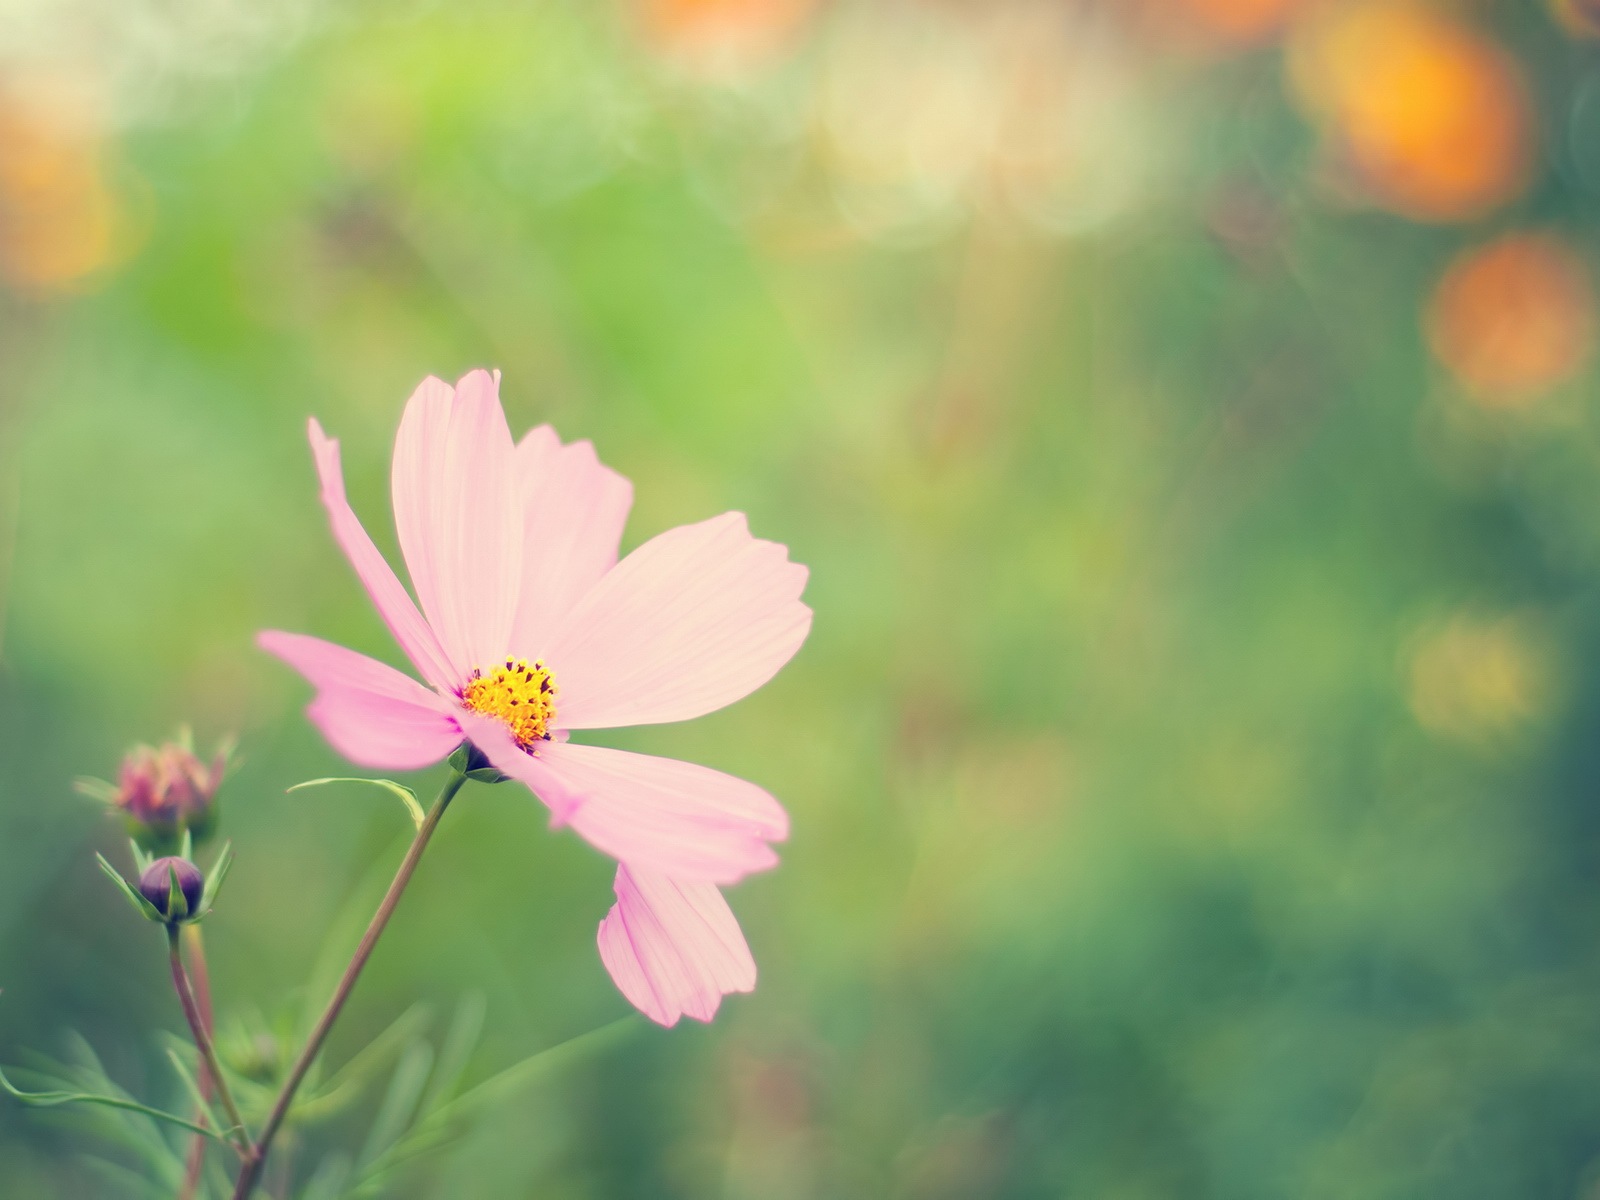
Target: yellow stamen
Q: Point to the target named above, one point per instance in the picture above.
(522, 696)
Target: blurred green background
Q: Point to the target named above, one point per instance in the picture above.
(1186, 410)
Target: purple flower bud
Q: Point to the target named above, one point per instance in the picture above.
(155, 885)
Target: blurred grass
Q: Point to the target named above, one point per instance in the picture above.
(1148, 839)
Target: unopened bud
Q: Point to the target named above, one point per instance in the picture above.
(164, 792)
(155, 885)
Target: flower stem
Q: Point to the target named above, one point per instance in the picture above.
(250, 1173)
(201, 976)
(197, 1026)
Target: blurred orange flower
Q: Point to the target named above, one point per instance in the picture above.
(1513, 318)
(59, 220)
(721, 34)
(1431, 116)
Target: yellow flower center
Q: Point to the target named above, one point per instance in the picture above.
(522, 696)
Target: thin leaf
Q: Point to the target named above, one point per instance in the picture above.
(140, 904)
(401, 1032)
(131, 1131)
(400, 1102)
(459, 1042)
(405, 794)
(219, 1179)
(216, 877)
(88, 1062)
(328, 1183)
(328, 1095)
(192, 1086)
(434, 1128)
(123, 1181)
(95, 789)
(55, 1099)
(506, 1083)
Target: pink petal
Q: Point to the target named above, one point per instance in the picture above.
(692, 620)
(371, 713)
(659, 814)
(457, 512)
(388, 594)
(673, 948)
(574, 509)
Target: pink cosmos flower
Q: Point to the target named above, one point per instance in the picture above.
(529, 628)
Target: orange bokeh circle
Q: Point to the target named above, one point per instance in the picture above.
(1514, 318)
(1430, 117)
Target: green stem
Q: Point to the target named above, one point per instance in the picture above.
(250, 1173)
(197, 1025)
(201, 975)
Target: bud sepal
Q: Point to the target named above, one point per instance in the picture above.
(141, 905)
(468, 760)
(215, 879)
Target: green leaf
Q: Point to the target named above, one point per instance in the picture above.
(186, 847)
(129, 1132)
(434, 1128)
(405, 794)
(400, 1101)
(141, 859)
(191, 1085)
(459, 758)
(56, 1099)
(329, 1096)
(215, 877)
(143, 906)
(124, 1181)
(487, 775)
(459, 1042)
(221, 1183)
(95, 789)
(329, 1181)
(505, 1084)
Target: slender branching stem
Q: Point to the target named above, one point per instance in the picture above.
(202, 1039)
(250, 1172)
(200, 974)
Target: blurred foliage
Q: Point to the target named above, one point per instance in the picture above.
(1187, 411)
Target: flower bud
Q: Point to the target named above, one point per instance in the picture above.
(155, 885)
(166, 791)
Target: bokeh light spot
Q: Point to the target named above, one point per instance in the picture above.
(59, 220)
(1514, 318)
(1474, 677)
(1430, 117)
